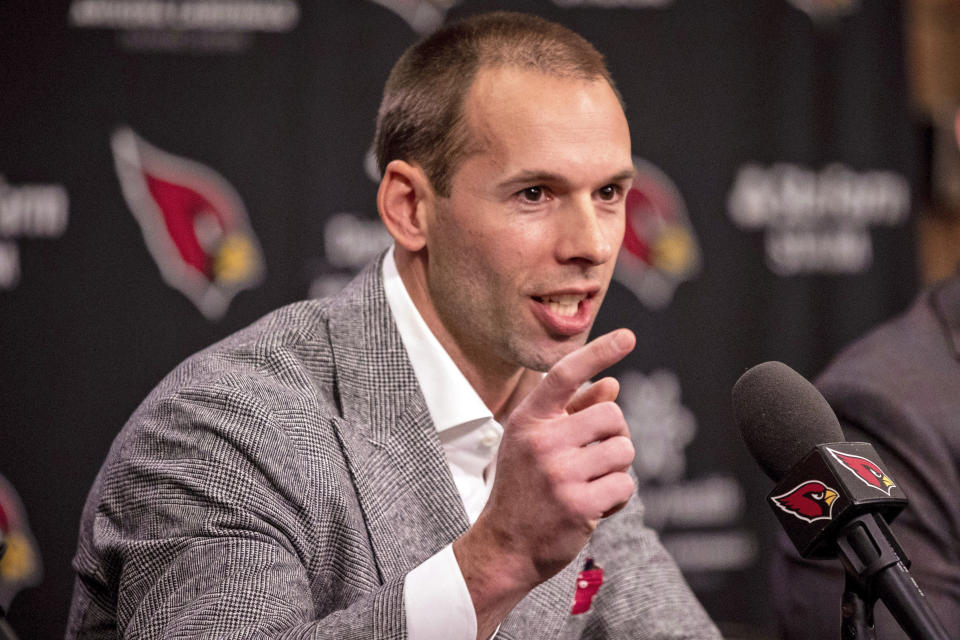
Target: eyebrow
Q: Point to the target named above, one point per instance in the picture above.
(527, 177)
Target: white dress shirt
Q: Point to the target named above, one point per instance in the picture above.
(437, 602)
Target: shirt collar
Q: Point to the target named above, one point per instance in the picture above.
(451, 400)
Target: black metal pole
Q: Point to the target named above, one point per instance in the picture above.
(875, 564)
(857, 608)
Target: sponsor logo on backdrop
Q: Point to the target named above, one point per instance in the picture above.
(193, 221)
(821, 10)
(817, 221)
(370, 167)
(866, 471)
(350, 241)
(699, 518)
(423, 16)
(20, 565)
(613, 4)
(216, 26)
(28, 211)
(810, 501)
(660, 425)
(659, 247)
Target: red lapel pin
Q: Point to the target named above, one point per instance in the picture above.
(588, 583)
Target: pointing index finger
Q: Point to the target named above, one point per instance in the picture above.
(551, 396)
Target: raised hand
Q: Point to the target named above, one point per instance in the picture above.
(562, 465)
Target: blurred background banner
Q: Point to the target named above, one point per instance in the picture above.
(171, 170)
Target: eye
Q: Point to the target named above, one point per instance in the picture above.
(817, 496)
(533, 194)
(609, 193)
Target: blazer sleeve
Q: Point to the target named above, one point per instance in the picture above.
(217, 518)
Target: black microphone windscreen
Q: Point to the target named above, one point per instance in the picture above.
(781, 416)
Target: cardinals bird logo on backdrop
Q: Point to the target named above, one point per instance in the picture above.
(865, 470)
(193, 222)
(659, 248)
(811, 500)
(20, 565)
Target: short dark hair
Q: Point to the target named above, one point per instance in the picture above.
(421, 115)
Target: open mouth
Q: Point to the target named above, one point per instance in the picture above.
(564, 305)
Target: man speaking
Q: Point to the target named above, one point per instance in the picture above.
(392, 462)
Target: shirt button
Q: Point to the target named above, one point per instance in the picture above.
(489, 437)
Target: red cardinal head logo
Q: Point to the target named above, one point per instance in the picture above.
(811, 500)
(193, 221)
(866, 470)
(20, 565)
(659, 248)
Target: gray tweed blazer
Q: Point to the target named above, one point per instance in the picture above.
(281, 483)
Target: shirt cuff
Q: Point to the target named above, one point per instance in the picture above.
(437, 603)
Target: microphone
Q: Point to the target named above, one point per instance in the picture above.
(832, 497)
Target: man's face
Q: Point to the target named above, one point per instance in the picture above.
(519, 256)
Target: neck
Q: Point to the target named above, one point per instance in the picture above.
(500, 385)
(501, 389)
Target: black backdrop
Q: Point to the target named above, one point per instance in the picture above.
(771, 220)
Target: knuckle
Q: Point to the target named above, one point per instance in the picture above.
(569, 500)
(608, 419)
(624, 485)
(562, 375)
(605, 349)
(624, 450)
(554, 473)
(612, 412)
(611, 348)
(541, 443)
(579, 504)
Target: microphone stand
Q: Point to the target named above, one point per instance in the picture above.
(857, 621)
(876, 567)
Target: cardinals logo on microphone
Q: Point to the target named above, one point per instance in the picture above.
(865, 470)
(811, 500)
(193, 222)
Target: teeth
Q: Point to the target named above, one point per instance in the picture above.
(563, 305)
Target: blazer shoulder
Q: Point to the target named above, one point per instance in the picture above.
(286, 353)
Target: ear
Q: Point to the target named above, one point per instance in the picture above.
(404, 199)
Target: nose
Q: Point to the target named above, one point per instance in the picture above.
(586, 235)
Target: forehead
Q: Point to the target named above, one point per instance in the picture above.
(520, 117)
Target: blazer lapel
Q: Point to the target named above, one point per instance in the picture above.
(410, 504)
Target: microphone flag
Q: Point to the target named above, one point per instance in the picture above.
(829, 487)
